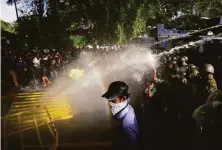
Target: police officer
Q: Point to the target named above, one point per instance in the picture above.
(186, 58)
(124, 116)
(210, 84)
(183, 61)
(194, 75)
(175, 71)
(167, 70)
(174, 58)
(183, 76)
(208, 118)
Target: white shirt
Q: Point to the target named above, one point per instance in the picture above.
(36, 62)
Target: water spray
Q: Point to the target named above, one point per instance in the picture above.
(188, 34)
(190, 45)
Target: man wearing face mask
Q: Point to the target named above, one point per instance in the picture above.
(124, 116)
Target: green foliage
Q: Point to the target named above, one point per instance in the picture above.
(7, 27)
(139, 24)
(79, 41)
(8, 35)
(72, 27)
(209, 8)
(121, 34)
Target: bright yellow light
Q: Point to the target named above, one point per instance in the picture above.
(29, 105)
(76, 74)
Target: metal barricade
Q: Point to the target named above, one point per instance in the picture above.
(32, 111)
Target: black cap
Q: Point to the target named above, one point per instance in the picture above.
(116, 89)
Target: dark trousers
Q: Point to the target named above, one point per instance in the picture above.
(38, 74)
(53, 74)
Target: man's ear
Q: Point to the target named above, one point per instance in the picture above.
(124, 98)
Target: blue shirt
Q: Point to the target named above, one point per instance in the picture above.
(127, 125)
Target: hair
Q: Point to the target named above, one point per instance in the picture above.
(124, 96)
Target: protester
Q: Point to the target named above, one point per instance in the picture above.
(126, 123)
(44, 63)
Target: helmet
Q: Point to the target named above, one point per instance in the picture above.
(194, 73)
(210, 33)
(116, 89)
(186, 58)
(192, 66)
(208, 68)
(184, 64)
(174, 58)
(182, 59)
(174, 62)
(183, 71)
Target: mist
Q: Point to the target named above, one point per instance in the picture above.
(129, 65)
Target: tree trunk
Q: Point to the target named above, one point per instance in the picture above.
(16, 10)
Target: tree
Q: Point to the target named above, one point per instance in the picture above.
(209, 8)
(105, 21)
(79, 41)
(139, 24)
(7, 26)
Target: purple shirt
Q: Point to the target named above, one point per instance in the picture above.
(128, 124)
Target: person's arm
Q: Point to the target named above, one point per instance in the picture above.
(130, 128)
(148, 91)
(33, 61)
(154, 74)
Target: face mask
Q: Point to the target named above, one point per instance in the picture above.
(115, 108)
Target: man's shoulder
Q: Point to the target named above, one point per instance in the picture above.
(210, 76)
(130, 116)
(211, 79)
(131, 110)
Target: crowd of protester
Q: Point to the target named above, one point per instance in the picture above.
(37, 69)
(32, 68)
